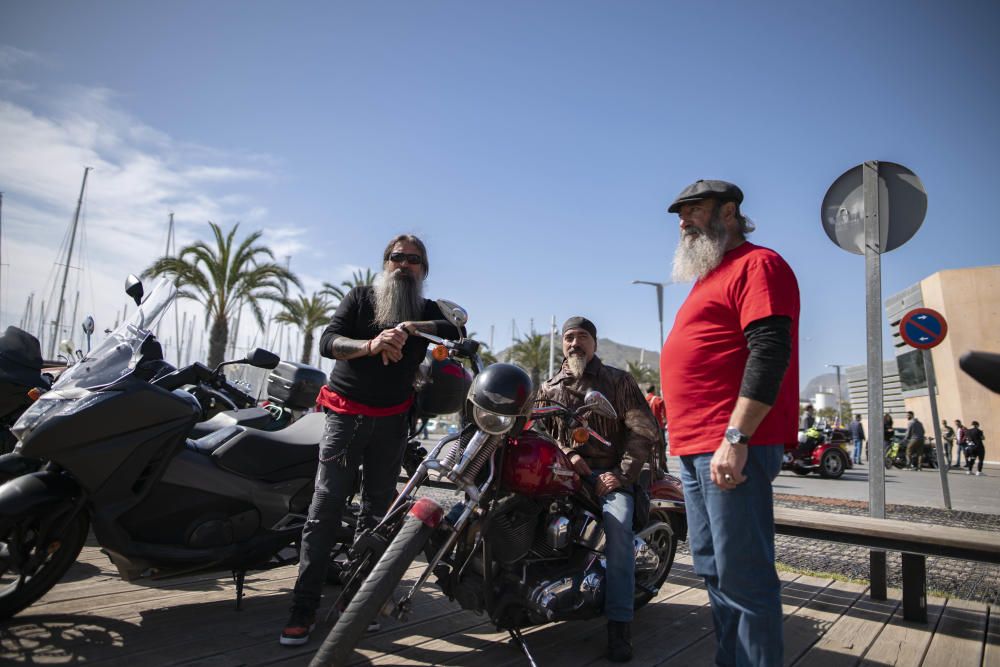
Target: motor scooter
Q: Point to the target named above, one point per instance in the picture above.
(818, 452)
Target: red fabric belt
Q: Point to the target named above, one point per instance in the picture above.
(331, 400)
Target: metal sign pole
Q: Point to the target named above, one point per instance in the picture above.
(873, 304)
(938, 445)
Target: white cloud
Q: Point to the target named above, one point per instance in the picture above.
(140, 174)
(12, 57)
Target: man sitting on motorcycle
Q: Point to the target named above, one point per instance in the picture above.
(633, 434)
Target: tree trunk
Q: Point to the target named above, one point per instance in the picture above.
(217, 337)
(307, 345)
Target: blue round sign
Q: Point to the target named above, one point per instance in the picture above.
(923, 328)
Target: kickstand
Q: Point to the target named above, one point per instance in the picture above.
(518, 639)
(239, 576)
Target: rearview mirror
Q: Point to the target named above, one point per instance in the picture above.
(88, 325)
(598, 403)
(261, 358)
(453, 312)
(133, 287)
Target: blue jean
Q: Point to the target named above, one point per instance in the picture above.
(731, 536)
(857, 450)
(619, 554)
(348, 441)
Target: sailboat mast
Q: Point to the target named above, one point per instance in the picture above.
(1, 253)
(69, 261)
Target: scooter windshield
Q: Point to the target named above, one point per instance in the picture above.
(119, 352)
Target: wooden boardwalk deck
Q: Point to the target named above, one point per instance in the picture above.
(93, 618)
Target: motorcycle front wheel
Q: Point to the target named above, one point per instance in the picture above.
(373, 594)
(28, 568)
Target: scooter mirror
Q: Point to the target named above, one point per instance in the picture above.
(453, 312)
(133, 287)
(261, 358)
(598, 403)
(88, 325)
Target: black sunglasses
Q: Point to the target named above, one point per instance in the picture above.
(410, 257)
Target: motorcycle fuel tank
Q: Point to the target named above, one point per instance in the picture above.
(535, 466)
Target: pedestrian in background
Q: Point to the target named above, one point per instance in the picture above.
(914, 442)
(948, 434)
(975, 449)
(807, 419)
(962, 434)
(858, 436)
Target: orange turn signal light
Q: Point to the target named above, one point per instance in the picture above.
(34, 393)
(580, 435)
(440, 353)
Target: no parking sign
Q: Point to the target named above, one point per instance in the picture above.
(923, 328)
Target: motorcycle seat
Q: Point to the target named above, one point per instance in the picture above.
(274, 456)
(250, 417)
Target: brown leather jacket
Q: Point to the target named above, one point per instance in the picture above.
(634, 433)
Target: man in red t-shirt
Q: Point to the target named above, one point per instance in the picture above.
(729, 369)
(656, 405)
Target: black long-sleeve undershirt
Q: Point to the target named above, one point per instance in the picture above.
(770, 343)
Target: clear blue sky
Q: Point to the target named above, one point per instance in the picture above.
(534, 145)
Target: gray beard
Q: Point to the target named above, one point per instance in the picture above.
(698, 253)
(398, 298)
(576, 364)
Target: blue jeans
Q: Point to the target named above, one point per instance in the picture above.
(857, 450)
(349, 441)
(619, 554)
(731, 537)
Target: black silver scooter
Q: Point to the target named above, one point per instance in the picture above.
(114, 434)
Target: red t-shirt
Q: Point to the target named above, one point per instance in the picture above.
(702, 363)
(656, 405)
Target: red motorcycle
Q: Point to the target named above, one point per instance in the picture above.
(818, 452)
(525, 545)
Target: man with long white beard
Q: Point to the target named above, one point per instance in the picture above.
(367, 401)
(633, 434)
(730, 376)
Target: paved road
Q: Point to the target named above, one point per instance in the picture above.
(902, 487)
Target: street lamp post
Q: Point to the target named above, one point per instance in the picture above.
(840, 410)
(659, 301)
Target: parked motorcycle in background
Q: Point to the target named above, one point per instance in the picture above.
(21, 380)
(113, 433)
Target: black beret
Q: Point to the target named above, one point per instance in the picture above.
(578, 322)
(701, 189)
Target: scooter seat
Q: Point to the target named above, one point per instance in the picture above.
(249, 417)
(274, 456)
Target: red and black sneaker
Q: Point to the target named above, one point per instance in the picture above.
(299, 625)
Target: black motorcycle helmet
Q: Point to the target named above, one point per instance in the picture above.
(502, 396)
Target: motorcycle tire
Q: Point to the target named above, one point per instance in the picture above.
(46, 575)
(801, 471)
(373, 594)
(832, 464)
(645, 594)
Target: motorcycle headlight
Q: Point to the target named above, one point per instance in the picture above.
(49, 404)
(491, 422)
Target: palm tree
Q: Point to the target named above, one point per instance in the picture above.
(358, 279)
(307, 315)
(224, 276)
(532, 354)
(643, 374)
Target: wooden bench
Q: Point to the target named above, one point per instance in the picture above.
(915, 541)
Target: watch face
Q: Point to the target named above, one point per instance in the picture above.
(734, 436)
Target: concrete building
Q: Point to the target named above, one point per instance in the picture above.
(969, 300)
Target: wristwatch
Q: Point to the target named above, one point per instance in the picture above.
(734, 436)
